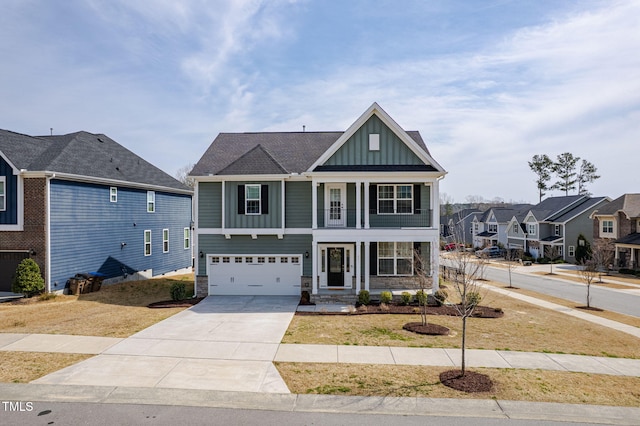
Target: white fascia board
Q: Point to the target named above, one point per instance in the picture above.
(375, 109)
(253, 231)
(236, 178)
(402, 177)
(103, 181)
(373, 235)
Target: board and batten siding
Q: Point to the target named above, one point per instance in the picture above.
(9, 216)
(355, 150)
(210, 204)
(264, 244)
(88, 231)
(270, 220)
(298, 205)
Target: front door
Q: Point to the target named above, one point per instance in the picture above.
(335, 267)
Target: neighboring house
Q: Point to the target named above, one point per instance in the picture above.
(551, 228)
(620, 220)
(490, 228)
(83, 203)
(326, 212)
(458, 227)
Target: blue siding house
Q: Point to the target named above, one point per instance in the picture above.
(278, 213)
(83, 203)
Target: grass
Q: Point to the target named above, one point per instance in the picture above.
(23, 367)
(117, 310)
(412, 381)
(524, 327)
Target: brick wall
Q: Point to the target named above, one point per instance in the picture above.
(624, 225)
(33, 235)
(202, 285)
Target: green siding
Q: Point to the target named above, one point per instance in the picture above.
(264, 244)
(355, 151)
(298, 205)
(209, 205)
(269, 220)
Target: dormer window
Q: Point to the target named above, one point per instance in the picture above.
(516, 228)
(531, 228)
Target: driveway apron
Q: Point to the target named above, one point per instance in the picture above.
(223, 343)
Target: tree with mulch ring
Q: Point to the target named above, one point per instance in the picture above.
(469, 381)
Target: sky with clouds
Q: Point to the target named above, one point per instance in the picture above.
(487, 83)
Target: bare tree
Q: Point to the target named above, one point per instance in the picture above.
(551, 253)
(603, 255)
(183, 175)
(466, 289)
(424, 277)
(587, 271)
(513, 259)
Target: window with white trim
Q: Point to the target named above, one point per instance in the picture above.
(395, 258)
(556, 230)
(147, 242)
(3, 193)
(572, 251)
(560, 250)
(151, 201)
(165, 241)
(492, 227)
(374, 142)
(607, 226)
(187, 238)
(252, 199)
(395, 199)
(113, 194)
(531, 228)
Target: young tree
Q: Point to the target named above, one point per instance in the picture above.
(513, 259)
(586, 174)
(542, 166)
(588, 270)
(565, 170)
(551, 253)
(423, 273)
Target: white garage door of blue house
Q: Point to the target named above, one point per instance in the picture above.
(259, 275)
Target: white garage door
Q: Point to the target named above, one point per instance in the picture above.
(260, 275)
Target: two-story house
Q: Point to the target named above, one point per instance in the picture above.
(280, 213)
(83, 203)
(620, 220)
(458, 227)
(490, 227)
(551, 228)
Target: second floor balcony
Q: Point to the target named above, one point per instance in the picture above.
(348, 218)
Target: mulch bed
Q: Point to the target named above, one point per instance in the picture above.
(428, 329)
(590, 308)
(470, 382)
(186, 303)
(479, 312)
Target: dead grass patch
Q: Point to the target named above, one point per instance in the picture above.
(412, 381)
(524, 327)
(23, 367)
(566, 275)
(117, 310)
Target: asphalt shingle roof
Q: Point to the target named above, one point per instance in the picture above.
(292, 152)
(627, 203)
(83, 154)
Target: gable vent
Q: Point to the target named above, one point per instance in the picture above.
(100, 140)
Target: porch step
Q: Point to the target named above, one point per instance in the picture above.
(347, 299)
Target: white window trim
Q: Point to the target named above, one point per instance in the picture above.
(165, 240)
(151, 202)
(395, 260)
(532, 226)
(247, 199)
(3, 193)
(556, 230)
(395, 198)
(572, 251)
(113, 194)
(374, 142)
(493, 226)
(147, 232)
(613, 227)
(187, 238)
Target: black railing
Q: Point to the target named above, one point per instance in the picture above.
(346, 218)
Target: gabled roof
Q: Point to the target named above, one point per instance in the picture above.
(629, 204)
(298, 152)
(580, 208)
(83, 154)
(554, 206)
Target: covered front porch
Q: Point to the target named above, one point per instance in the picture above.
(627, 252)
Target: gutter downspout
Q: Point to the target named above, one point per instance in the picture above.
(47, 231)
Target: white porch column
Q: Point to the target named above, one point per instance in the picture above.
(367, 208)
(314, 267)
(358, 265)
(283, 217)
(314, 207)
(358, 205)
(367, 266)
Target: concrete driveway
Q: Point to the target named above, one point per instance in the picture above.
(224, 343)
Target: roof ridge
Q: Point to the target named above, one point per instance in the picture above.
(258, 147)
